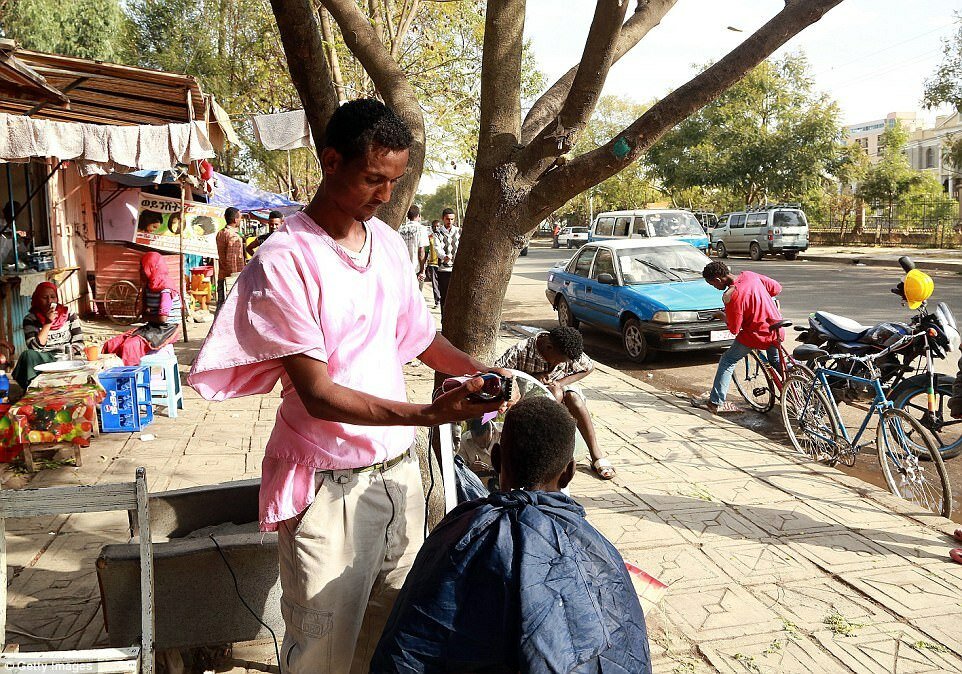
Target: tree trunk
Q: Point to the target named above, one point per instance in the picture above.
(473, 305)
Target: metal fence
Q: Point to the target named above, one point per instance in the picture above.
(924, 221)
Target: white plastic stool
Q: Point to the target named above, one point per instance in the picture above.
(165, 390)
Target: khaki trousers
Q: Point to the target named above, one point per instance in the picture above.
(342, 563)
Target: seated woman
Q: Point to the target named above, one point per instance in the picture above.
(48, 329)
(161, 309)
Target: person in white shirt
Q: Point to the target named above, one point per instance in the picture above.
(416, 239)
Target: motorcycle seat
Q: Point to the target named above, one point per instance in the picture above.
(807, 352)
(843, 329)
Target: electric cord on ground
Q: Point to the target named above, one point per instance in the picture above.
(277, 650)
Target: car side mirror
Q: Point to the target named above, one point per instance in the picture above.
(606, 279)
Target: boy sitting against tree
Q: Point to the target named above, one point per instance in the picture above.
(519, 581)
(557, 359)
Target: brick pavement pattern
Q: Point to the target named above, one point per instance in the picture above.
(773, 564)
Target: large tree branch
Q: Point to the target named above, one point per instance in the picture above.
(304, 49)
(327, 32)
(393, 86)
(585, 90)
(594, 167)
(646, 16)
(501, 78)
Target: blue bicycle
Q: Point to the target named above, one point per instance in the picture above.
(815, 427)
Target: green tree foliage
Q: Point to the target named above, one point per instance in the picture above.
(446, 196)
(632, 187)
(770, 137)
(892, 176)
(945, 85)
(92, 29)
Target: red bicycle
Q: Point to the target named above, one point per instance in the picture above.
(760, 382)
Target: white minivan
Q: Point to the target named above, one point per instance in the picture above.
(781, 229)
(649, 223)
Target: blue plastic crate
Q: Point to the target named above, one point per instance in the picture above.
(128, 406)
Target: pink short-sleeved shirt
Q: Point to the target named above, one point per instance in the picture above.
(302, 294)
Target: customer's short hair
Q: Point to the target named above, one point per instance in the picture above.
(538, 440)
(275, 215)
(447, 211)
(231, 214)
(359, 125)
(715, 269)
(568, 341)
(413, 212)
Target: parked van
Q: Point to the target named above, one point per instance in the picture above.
(647, 223)
(769, 230)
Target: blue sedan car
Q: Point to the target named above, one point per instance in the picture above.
(650, 291)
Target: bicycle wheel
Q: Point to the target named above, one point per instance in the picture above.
(912, 396)
(925, 484)
(752, 380)
(121, 302)
(808, 418)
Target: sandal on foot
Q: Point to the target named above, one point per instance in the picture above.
(701, 402)
(957, 535)
(726, 408)
(956, 555)
(603, 469)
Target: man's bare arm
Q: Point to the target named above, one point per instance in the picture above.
(324, 399)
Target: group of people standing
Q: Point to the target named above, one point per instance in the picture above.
(432, 250)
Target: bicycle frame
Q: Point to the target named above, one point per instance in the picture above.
(880, 402)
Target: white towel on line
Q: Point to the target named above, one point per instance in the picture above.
(283, 130)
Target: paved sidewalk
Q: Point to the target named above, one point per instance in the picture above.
(773, 565)
(941, 259)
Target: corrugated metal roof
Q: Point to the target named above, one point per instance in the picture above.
(97, 92)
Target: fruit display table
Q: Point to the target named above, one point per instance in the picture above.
(50, 417)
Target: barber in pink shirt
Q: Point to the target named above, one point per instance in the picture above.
(750, 312)
(330, 307)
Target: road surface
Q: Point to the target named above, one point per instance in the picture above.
(858, 292)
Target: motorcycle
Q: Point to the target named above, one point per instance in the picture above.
(907, 375)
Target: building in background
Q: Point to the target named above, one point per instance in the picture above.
(868, 134)
(926, 146)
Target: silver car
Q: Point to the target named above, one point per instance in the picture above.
(781, 229)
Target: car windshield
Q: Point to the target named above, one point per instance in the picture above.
(661, 263)
(790, 219)
(674, 223)
(579, 230)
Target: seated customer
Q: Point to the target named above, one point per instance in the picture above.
(48, 329)
(519, 581)
(557, 359)
(161, 309)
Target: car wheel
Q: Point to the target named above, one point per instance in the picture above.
(570, 246)
(790, 255)
(722, 251)
(755, 251)
(634, 340)
(565, 317)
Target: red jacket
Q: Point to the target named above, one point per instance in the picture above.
(751, 310)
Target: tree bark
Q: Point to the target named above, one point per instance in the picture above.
(648, 14)
(398, 94)
(504, 208)
(327, 33)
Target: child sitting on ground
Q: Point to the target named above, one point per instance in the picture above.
(519, 581)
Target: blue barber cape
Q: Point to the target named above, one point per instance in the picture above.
(516, 582)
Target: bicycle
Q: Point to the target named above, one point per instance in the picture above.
(815, 428)
(760, 382)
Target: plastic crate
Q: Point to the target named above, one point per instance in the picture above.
(128, 406)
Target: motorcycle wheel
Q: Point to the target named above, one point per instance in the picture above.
(912, 396)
